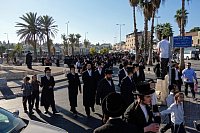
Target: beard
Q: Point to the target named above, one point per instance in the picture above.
(109, 78)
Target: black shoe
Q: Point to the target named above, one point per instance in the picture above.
(46, 112)
(38, 111)
(25, 111)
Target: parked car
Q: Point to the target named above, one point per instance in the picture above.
(11, 123)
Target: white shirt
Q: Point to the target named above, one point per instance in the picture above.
(99, 71)
(89, 72)
(176, 74)
(125, 71)
(177, 113)
(170, 99)
(154, 99)
(143, 107)
(163, 45)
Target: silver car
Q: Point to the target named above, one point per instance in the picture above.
(11, 123)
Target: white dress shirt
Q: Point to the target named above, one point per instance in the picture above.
(177, 113)
(143, 107)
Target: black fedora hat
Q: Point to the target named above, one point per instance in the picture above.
(113, 105)
(108, 71)
(89, 62)
(47, 69)
(143, 88)
(72, 66)
(135, 65)
(129, 69)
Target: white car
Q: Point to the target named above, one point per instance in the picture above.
(11, 123)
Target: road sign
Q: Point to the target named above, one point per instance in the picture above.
(182, 41)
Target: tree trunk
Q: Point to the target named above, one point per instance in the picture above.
(48, 45)
(34, 47)
(182, 63)
(136, 36)
(73, 49)
(145, 38)
(151, 43)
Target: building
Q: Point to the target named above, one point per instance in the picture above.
(130, 40)
(195, 38)
(119, 46)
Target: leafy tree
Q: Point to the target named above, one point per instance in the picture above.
(65, 43)
(29, 29)
(93, 51)
(2, 50)
(104, 51)
(86, 43)
(195, 29)
(18, 49)
(72, 40)
(48, 27)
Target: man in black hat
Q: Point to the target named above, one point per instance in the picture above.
(74, 85)
(140, 113)
(128, 87)
(47, 96)
(113, 106)
(105, 86)
(99, 73)
(89, 88)
(123, 73)
(176, 76)
(29, 60)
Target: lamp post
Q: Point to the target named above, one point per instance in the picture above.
(7, 46)
(67, 23)
(120, 32)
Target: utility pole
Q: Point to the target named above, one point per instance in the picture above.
(67, 23)
(120, 32)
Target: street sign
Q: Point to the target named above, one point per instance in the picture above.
(182, 41)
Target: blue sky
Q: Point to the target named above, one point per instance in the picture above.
(97, 18)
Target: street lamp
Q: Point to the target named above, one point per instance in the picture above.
(85, 35)
(120, 32)
(67, 23)
(7, 40)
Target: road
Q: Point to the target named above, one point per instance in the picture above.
(65, 118)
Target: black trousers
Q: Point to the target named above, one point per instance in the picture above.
(164, 66)
(24, 101)
(52, 104)
(191, 88)
(35, 99)
(177, 82)
(178, 129)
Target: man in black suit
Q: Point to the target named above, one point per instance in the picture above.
(113, 106)
(138, 74)
(176, 76)
(128, 87)
(105, 86)
(140, 113)
(99, 73)
(123, 72)
(89, 90)
(47, 96)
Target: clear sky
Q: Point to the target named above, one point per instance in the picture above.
(96, 19)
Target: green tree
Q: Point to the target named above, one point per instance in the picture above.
(48, 28)
(29, 29)
(78, 36)
(93, 51)
(65, 43)
(195, 29)
(134, 4)
(2, 50)
(104, 51)
(72, 40)
(86, 43)
(18, 49)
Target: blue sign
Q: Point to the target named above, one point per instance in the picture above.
(182, 41)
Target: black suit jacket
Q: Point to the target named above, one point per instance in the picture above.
(89, 89)
(173, 76)
(139, 78)
(103, 89)
(127, 89)
(134, 115)
(121, 75)
(116, 126)
(98, 77)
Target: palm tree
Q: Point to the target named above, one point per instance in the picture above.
(78, 36)
(29, 29)
(159, 29)
(65, 43)
(178, 18)
(167, 30)
(72, 40)
(49, 29)
(181, 24)
(86, 43)
(134, 4)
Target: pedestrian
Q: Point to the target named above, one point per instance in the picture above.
(47, 96)
(138, 75)
(156, 69)
(78, 66)
(99, 73)
(188, 75)
(35, 93)
(123, 73)
(163, 50)
(89, 91)
(27, 92)
(176, 76)
(140, 113)
(113, 106)
(128, 87)
(73, 87)
(177, 113)
(29, 60)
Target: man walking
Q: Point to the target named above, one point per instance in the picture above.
(163, 50)
(188, 76)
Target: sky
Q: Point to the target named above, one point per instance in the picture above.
(94, 20)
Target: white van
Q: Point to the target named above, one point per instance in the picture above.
(191, 54)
